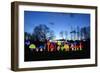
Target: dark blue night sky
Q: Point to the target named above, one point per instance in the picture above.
(55, 21)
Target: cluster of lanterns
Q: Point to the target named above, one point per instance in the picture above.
(63, 46)
(56, 46)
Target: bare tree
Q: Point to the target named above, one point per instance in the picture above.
(62, 34)
(78, 33)
(85, 33)
(66, 35)
(40, 32)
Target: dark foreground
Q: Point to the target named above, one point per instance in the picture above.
(57, 55)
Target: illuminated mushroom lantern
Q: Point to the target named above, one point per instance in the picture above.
(48, 44)
(32, 47)
(62, 48)
(51, 47)
(66, 47)
(41, 47)
(72, 46)
(80, 45)
(76, 47)
(59, 44)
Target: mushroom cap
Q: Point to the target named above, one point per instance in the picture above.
(41, 46)
(66, 46)
(62, 48)
(52, 46)
(59, 43)
(32, 46)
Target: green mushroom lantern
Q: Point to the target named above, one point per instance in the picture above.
(32, 46)
(59, 43)
(62, 48)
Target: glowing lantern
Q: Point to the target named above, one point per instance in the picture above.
(48, 44)
(41, 47)
(59, 43)
(62, 48)
(58, 48)
(75, 46)
(81, 46)
(66, 47)
(37, 49)
(72, 46)
(51, 48)
(32, 46)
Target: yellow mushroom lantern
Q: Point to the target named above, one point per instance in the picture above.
(66, 47)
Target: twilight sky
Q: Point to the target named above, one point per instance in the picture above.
(55, 21)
